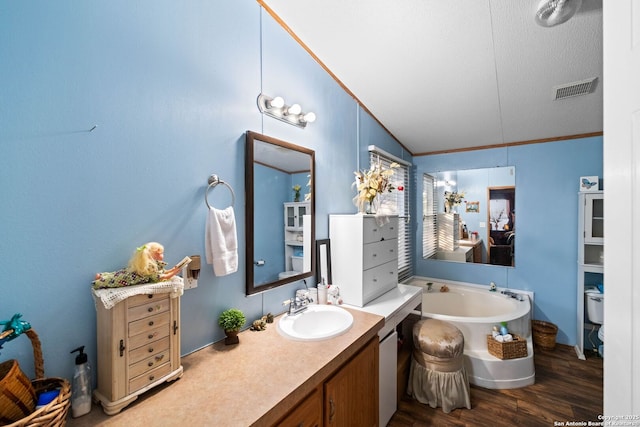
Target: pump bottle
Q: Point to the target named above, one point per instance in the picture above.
(81, 386)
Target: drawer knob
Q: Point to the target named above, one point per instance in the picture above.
(152, 377)
(150, 349)
(150, 336)
(150, 296)
(150, 364)
(375, 255)
(150, 309)
(151, 323)
(159, 357)
(375, 280)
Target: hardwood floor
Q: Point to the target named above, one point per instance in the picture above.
(566, 389)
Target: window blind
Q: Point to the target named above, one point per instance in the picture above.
(429, 216)
(398, 202)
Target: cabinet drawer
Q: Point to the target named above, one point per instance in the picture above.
(149, 336)
(379, 280)
(149, 377)
(146, 298)
(151, 349)
(149, 323)
(148, 364)
(372, 232)
(378, 253)
(148, 309)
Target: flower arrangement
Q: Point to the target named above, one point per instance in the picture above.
(453, 198)
(373, 182)
(296, 190)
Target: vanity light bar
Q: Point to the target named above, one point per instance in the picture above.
(292, 114)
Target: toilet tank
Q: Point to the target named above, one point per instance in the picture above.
(595, 306)
(297, 263)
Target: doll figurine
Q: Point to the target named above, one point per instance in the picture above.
(145, 266)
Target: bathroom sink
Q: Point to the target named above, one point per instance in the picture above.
(316, 323)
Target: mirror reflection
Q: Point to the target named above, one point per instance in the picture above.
(469, 216)
(279, 212)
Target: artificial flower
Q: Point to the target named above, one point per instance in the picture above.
(372, 182)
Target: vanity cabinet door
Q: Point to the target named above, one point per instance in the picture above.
(307, 413)
(351, 395)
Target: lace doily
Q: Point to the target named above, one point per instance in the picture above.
(112, 296)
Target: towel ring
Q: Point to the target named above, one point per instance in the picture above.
(213, 181)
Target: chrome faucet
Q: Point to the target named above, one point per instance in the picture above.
(297, 305)
(512, 295)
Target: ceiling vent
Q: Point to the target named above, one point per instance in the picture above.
(569, 90)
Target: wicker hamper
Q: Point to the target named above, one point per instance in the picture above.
(55, 412)
(544, 334)
(507, 350)
(17, 395)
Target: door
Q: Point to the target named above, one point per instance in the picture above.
(388, 377)
(351, 395)
(621, 25)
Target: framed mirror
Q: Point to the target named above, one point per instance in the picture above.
(323, 261)
(280, 212)
(469, 216)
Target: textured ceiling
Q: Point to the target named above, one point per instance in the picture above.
(446, 75)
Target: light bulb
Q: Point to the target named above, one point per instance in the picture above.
(294, 109)
(309, 117)
(276, 102)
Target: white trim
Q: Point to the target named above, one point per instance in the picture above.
(396, 159)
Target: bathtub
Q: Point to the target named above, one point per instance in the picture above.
(475, 310)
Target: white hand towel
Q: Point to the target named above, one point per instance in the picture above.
(221, 242)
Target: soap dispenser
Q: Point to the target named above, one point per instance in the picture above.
(81, 387)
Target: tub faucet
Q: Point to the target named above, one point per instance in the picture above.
(512, 295)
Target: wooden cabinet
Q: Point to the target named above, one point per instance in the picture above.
(138, 348)
(590, 254)
(364, 257)
(308, 413)
(349, 397)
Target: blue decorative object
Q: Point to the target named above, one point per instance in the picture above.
(13, 328)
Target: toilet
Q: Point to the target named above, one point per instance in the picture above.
(296, 264)
(595, 312)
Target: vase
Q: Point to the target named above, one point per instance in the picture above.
(296, 197)
(371, 206)
(232, 337)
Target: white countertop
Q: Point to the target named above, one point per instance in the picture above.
(394, 305)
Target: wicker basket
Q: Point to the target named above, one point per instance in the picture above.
(507, 350)
(55, 412)
(17, 395)
(544, 334)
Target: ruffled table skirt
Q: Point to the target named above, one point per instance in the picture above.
(437, 375)
(448, 390)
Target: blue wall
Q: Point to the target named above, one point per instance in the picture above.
(172, 88)
(547, 177)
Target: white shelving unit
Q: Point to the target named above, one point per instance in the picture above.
(590, 252)
(294, 230)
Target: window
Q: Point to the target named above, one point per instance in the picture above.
(429, 216)
(398, 203)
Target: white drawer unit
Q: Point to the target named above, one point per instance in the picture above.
(138, 348)
(364, 256)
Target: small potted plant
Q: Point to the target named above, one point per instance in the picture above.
(231, 321)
